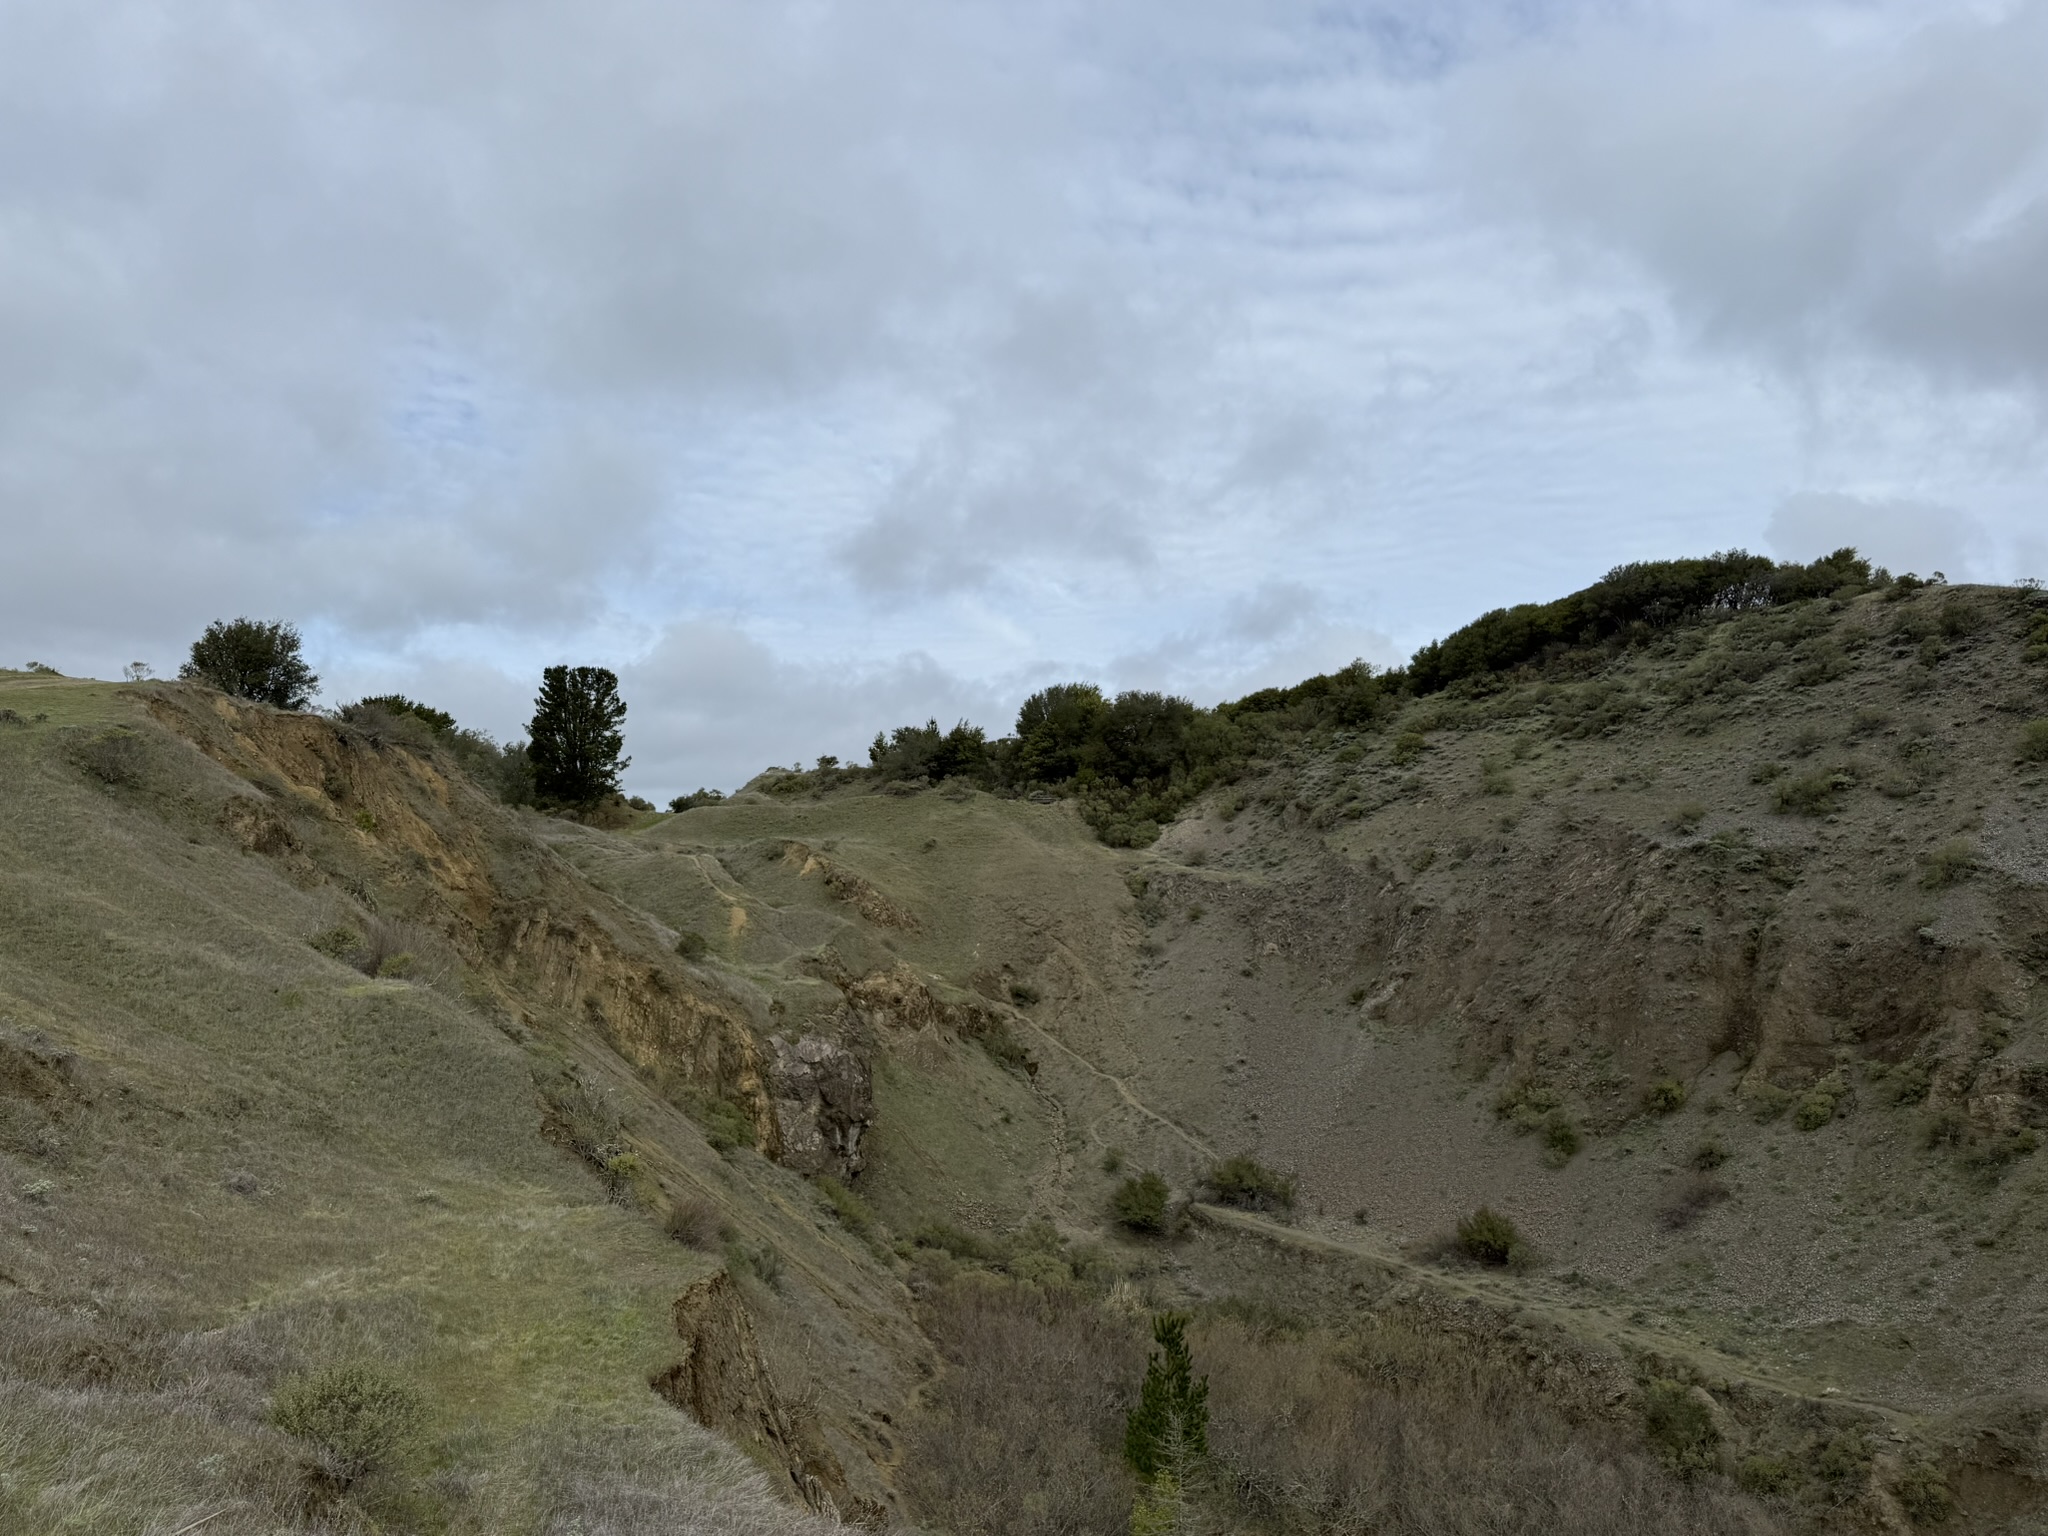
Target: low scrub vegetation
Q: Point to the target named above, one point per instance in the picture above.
(1249, 1185)
(1302, 1429)
(1142, 1203)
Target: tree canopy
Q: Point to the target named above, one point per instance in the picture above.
(253, 659)
(575, 739)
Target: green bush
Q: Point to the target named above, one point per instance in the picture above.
(1686, 819)
(1709, 1155)
(2033, 743)
(853, 1212)
(1923, 1493)
(1680, 1428)
(1250, 1185)
(1140, 1203)
(1487, 1237)
(692, 945)
(725, 1124)
(1842, 1457)
(1765, 1475)
(1560, 1138)
(358, 1418)
(1819, 1104)
(1666, 1096)
(1525, 1102)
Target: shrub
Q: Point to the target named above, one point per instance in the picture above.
(692, 945)
(1813, 794)
(695, 1222)
(725, 1124)
(1687, 817)
(2033, 743)
(1765, 1475)
(1923, 1493)
(1113, 1160)
(1250, 1185)
(853, 1212)
(1666, 1096)
(1910, 1082)
(1948, 864)
(1680, 1428)
(118, 758)
(1140, 1203)
(763, 1263)
(1818, 1105)
(397, 704)
(1487, 1237)
(1842, 1457)
(1408, 746)
(1709, 1155)
(1560, 1138)
(695, 798)
(1524, 1102)
(1990, 1154)
(253, 659)
(357, 1418)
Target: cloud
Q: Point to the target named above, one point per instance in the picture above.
(1799, 188)
(1901, 534)
(707, 702)
(892, 359)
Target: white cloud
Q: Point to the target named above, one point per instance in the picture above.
(1901, 534)
(820, 366)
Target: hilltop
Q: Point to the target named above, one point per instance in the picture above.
(1707, 952)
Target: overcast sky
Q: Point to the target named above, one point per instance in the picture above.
(820, 366)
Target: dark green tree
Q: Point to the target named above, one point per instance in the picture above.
(1168, 1432)
(1059, 732)
(575, 736)
(253, 659)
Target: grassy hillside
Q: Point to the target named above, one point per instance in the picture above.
(232, 1159)
(1708, 956)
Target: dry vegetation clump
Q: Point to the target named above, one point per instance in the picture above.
(355, 1420)
(1022, 1430)
(696, 1222)
(1390, 1430)
(1249, 1185)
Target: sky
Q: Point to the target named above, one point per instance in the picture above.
(824, 366)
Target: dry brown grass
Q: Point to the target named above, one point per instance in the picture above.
(1022, 1433)
(1385, 1431)
(1392, 1432)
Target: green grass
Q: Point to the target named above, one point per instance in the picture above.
(275, 1166)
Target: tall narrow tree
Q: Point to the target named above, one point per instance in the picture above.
(574, 735)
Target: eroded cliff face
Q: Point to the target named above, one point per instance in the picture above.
(397, 837)
(722, 1381)
(1602, 960)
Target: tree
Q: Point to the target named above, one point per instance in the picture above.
(253, 659)
(1167, 1434)
(575, 735)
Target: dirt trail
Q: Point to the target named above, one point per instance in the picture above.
(1122, 1088)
